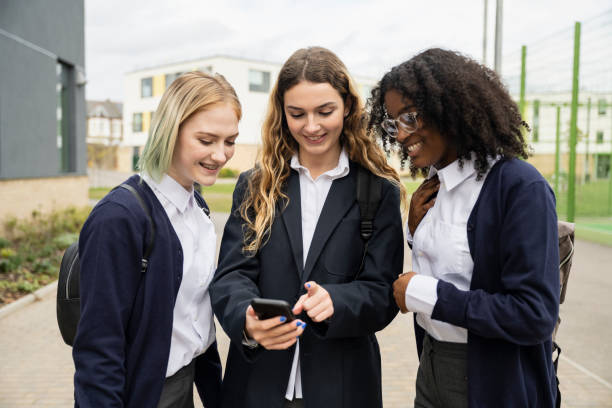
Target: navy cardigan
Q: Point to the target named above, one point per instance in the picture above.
(123, 339)
(513, 302)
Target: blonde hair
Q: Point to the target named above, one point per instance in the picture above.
(188, 94)
(265, 187)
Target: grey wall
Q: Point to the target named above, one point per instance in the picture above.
(28, 96)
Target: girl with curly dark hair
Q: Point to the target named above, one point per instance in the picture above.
(483, 232)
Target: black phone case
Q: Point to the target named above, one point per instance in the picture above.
(268, 308)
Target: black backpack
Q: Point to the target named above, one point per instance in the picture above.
(68, 293)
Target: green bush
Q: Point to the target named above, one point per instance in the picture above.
(31, 252)
(4, 243)
(65, 240)
(227, 172)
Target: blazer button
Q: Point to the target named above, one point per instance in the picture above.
(470, 227)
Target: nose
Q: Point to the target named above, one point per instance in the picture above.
(402, 135)
(218, 154)
(311, 125)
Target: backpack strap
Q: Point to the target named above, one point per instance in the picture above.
(369, 188)
(144, 262)
(201, 203)
(369, 192)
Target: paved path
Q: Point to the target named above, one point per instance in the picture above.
(36, 367)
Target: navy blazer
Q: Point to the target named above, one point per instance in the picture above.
(339, 359)
(512, 306)
(122, 343)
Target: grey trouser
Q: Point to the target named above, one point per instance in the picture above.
(178, 389)
(442, 376)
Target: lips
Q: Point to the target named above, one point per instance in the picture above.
(413, 148)
(210, 167)
(315, 139)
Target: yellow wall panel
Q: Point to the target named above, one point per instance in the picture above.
(146, 121)
(159, 84)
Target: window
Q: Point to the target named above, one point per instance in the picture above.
(64, 88)
(137, 122)
(259, 81)
(599, 137)
(603, 166)
(601, 107)
(171, 77)
(536, 121)
(146, 87)
(135, 157)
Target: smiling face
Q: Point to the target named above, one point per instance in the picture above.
(425, 146)
(315, 116)
(205, 143)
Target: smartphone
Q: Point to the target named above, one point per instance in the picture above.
(268, 308)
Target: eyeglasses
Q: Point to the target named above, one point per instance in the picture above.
(408, 122)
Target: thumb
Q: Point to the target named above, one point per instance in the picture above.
(311, 287)
(250, 311)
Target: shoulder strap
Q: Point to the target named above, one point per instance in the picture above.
(147, 254)
(369, 189)
(201, 203)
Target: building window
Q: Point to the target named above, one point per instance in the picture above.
(135, 157)
(64, 88)
(171, 77)
(599, 137)
(601, 107)
(259, 81)
(603, 166)
(536, 121)
(146, 87)
(137, 122)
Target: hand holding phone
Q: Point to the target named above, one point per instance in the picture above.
(272, 325)
(269, 308)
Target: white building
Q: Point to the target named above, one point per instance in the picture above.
(251, 79)
(104, 134)
(594, 122)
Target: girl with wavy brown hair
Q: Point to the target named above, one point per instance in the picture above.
(294, 235)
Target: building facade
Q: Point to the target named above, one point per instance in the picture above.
(251, 79)
(42, 106)
(594, 141)
(104, 134)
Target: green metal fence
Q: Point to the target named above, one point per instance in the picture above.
(563, 85)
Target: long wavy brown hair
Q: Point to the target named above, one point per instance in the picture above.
(265, 186)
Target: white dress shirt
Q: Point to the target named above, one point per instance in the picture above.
(193, 327)
(440, 249)
(312, 194)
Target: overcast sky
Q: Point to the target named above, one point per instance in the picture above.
(369, 36)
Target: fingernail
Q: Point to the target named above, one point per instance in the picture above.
(308, 285)
(303, 325)
(297, 324)
(283, 318)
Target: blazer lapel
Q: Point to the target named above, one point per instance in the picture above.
(292, 218)
(340, 199)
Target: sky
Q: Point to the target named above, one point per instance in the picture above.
(369, 36)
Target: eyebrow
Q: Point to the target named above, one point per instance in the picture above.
(325, 105)
(214, 135)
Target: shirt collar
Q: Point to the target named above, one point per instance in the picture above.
(453, 175)
(341, 169)
(171, 190)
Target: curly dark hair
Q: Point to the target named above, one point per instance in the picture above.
(465, 101)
